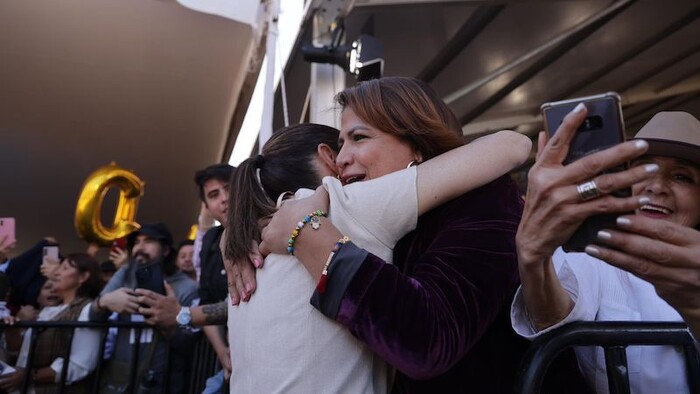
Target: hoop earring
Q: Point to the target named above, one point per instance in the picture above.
(412, 163)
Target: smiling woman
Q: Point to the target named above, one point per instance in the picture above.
(674, 191)
(364, 154)
(76, 282)
(659, 246)
(438, 314)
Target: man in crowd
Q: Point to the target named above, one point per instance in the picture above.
(185, 251)
(152, 259)
(213, 183)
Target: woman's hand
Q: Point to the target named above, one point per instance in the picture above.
(240, 275)
(118, 256)
(275, 235)
(661, 252)
(553, 207)
(12, 381)
(49, 266)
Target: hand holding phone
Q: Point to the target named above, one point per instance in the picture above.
(119, 243)
(603, 128)
(50, 260)
(150, 277)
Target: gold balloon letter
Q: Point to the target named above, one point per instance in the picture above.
(87, 212)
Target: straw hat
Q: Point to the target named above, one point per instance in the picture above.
(673, 134)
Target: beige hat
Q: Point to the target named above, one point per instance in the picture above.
(673, 134)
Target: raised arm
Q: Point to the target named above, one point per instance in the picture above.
(460, 170)
(554, 209)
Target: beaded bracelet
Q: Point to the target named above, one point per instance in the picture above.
(321, 286)
(314, 218)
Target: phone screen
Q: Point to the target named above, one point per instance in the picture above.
(7, 230)
(603, 128)
(119, 243)
(50, 252)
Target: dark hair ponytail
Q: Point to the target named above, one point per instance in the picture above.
(286, 164)
(247, 203)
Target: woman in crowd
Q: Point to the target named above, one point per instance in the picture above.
(14, 335)
(662, 238)
(438, 315)
(76, 282)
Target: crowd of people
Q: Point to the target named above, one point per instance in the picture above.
(78, 288)
(387, 256)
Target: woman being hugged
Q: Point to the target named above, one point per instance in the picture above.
(439, 313)
(76, 281)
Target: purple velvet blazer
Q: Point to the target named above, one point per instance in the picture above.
(439, 315)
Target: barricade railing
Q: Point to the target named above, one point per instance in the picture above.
(613, 337)
(202, 365)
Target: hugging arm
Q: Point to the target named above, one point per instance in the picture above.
(462, 169)
(449, 292)
(438, 180)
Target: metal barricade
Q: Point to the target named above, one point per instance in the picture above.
(614, 337)
(202, 363)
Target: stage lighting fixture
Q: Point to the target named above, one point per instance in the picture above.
(362, 58)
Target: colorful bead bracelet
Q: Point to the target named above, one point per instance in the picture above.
(314, 218)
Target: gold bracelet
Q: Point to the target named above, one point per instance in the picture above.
(321, 286)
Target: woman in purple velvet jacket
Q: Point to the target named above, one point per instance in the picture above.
(439, 315)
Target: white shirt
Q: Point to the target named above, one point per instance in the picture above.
(602, 292)
(84, 352)
(279, 342)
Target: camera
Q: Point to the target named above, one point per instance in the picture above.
(362, 58)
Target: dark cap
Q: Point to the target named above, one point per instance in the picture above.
(152, 230)
(108, 266)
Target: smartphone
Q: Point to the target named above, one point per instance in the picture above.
(119, 243)
(603, 128)
(50, 252)
(7, 229)
(150, 277)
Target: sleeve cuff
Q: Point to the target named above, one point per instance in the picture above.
(342, 270)
(57, 366)
(96, 315)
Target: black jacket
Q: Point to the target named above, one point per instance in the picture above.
(212, 281)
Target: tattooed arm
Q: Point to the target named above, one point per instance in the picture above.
(161, 310)
(211, 314)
